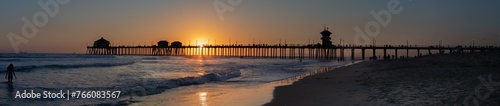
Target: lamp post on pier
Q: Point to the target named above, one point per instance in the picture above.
(440, 42)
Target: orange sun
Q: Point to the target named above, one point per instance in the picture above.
(200, 44)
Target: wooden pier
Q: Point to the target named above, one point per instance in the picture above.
(283, 51)
(326, 50)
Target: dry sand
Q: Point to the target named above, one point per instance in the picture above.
(451, 79)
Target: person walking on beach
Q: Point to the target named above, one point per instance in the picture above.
(10, 73)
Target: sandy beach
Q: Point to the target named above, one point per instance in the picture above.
(443, 79)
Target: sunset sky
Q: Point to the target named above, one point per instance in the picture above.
(125, 22)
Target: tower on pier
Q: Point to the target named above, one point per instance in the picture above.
(326, 37)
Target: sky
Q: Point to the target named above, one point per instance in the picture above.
(78, 23)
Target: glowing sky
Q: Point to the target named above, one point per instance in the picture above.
(126, 22)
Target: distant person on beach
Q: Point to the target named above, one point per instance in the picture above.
(10, 73)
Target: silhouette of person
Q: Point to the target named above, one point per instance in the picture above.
(10, 73)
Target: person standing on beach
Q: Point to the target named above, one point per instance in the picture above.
(10, 73)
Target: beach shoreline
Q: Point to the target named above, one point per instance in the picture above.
(441, 79)
(226, 93)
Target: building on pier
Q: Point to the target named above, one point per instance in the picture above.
(326, 38)
(101, 43)
(163, 43)
(176, 44)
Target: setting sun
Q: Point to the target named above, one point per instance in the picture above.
(200, 44)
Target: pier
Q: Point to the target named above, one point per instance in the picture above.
(284, 51)
(326, 50)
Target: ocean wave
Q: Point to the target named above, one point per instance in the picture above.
(11, 60)
(67, 66)
(155, 86)
(150, 58)
(54, 56)
(157, 58)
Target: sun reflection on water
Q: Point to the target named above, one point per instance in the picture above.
(200, 69)
(203, 98)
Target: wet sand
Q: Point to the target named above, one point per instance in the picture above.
(449, 79)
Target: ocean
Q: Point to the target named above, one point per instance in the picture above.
(151, 80)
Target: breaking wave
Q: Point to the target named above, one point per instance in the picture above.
(158, 85)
